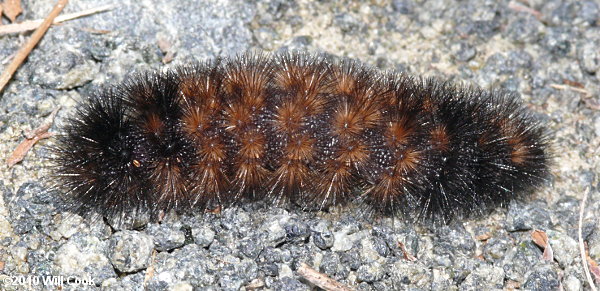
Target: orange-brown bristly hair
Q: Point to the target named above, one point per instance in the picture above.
(298, 129)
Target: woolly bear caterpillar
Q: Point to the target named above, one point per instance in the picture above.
(295, 128)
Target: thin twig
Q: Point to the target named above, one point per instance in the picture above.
(320, 279)
(33, 24)
(31, 138)
(30, 44)
(568, 87)
(407, 255)
(24, 147)
(516, 6)
(45, 126)
(581, 245)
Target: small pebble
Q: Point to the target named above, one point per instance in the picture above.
(130, 251)
(165, 237)
(203, 236)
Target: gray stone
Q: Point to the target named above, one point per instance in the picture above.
(347, 23)
(190, 263)
(203, 236)
(237, 272)
(564, 13)
(130, 251)
(30, 205)
(351, 259)
(330, 264)
(129, 282)
(252, 246)
(526, 217)
(287, 283)
(525, 29)
(594, 242)
(370, 272)
(589, 56)
(129, 222)
(462, 267)
(541, 277)
(571, 283)
(344, 239)
(84, 257)
(485, 277)
(410, 273)
(368, 252)
(463, 51)
(165, 236)
(276, 234)
(564, 247)
(72, 70)
(452, 242)
(323, 240)
(519, 259)
(479, 18)
(403, 6)
(559, 40)
(296, 231)
(69, 226)
(495, 248)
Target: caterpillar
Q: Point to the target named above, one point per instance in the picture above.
(298, 129)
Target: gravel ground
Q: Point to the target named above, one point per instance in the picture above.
(547, 53)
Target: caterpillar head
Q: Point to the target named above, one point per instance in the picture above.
(98, 161)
